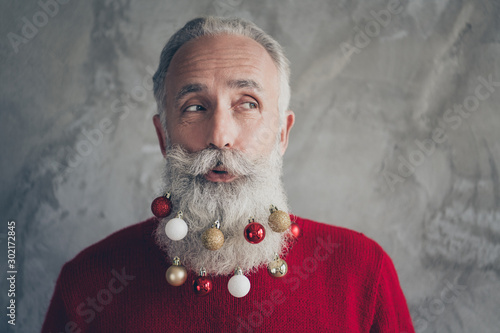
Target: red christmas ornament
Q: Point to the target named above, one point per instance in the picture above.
(203, 284)
(162, 206)
(254, 232)
(296, 230)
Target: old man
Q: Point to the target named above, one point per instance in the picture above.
(223, 253)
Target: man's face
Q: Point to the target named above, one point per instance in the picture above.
(222, 92)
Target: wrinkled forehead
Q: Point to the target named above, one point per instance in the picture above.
(223, 56)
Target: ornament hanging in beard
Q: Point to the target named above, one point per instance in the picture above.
(254, 232)
(176, 228)
(279, 221)
(176, 274)
(213, 238)
(278, 267)
(238, 285)
(162, 206)
(203, 284)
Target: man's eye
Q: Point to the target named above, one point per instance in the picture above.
(192, 108)
(249, 105)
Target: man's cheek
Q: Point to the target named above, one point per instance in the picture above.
(186, 136)
(265, 138)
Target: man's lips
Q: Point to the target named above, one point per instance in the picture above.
(219, 174)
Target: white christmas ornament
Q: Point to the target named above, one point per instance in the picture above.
(239, 284)
(176, 229)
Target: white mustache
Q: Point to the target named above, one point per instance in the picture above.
(201, 162)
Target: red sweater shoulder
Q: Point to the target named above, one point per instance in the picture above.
(132, 239)
(351, 246)
(362, 265)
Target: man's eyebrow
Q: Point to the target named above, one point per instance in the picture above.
(197, 87)
(187, 89)
(244, 84)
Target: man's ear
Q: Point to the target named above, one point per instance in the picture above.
(285, 130)
(160, 132)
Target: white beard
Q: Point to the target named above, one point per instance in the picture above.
(202, 202)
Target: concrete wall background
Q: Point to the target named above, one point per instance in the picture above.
(87, 67)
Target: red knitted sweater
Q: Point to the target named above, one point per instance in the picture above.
(338, 281)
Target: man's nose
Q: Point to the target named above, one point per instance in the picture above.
(222, 129)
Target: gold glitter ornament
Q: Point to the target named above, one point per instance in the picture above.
(176, 274)
(278, 267)
(213, 238)
(279, 221)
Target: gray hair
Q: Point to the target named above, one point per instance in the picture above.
(212, 26)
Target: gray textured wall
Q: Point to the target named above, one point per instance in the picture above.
(384, 142)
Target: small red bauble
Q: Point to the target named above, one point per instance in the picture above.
(202, 285)
(254, 233)
(296, 230)
(161, 206)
